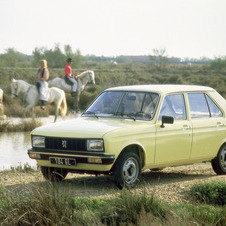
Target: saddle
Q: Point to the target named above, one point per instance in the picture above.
(68, 82)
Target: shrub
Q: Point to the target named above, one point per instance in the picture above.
(25, 125)
(127, 207)
(210, 193)
(48, 204)
(199, 214)
(35, 206)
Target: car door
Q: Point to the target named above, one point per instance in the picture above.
(208, 126)
(173, 142)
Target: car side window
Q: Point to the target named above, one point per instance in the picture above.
(214, 110)
(198, 105)
(173, 105)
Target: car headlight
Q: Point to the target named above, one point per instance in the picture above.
(95, 145)
(38, 141)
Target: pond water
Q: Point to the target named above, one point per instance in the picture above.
(13, 150)
(14, 145)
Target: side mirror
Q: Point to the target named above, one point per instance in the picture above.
(167, 120)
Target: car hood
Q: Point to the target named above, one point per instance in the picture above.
(84, 127)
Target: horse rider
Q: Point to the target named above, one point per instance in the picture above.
(70, 76)
(42, 84)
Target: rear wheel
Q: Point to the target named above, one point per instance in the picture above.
(53, 174)
(127, 170)
(219, 163)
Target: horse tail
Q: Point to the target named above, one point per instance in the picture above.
(63, 106)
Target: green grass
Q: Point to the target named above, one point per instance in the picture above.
(210, 193)
(47, 205)
(200, 214)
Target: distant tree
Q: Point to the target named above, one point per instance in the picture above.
(38, 54)
(78, 59)
(68, 51)
(55, 57)
(159, 58)
(13, 58)
(218, 64)
(123, 59)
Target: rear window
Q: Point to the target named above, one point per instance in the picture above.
(202, 106)
(214, 110)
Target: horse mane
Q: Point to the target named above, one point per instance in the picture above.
(22, 81)
(83, 74)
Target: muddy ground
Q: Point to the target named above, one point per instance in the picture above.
(171, 184)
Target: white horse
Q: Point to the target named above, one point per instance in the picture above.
(31, 96)
(82, 80)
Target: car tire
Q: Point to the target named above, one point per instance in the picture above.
(219, 163)
(127, 170)
(53, 174)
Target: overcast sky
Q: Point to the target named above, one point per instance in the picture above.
(185, 28)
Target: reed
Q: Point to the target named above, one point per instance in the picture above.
(25, 125)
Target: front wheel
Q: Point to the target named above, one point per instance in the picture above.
(127, 170)
(219, 163)
(53, 174)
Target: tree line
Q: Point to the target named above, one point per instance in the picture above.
(57, 58)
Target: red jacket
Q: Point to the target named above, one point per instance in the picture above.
(68, 70)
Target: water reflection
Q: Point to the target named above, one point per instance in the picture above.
(13, 150)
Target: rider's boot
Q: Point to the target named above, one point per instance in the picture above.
(42, 106)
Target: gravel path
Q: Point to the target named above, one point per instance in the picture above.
(171, 184)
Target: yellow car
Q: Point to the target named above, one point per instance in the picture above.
(133, 128)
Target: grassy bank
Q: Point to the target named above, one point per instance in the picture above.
(46, 204)
(24, 125)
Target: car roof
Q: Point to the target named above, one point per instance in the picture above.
(162, 88)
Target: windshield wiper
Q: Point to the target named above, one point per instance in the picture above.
(91, 113)
(131, 116)
(125, 115)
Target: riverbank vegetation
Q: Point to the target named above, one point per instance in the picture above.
(123, 74)
(24, 125)
(47, 205)
(109, 72)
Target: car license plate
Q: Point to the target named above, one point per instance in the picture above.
(63, 161)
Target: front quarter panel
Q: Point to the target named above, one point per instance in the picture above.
(139, 134)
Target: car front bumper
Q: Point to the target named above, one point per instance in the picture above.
(75, 160)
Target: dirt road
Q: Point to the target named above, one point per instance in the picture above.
(171, 184)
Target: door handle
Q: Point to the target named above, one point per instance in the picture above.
(185, 127)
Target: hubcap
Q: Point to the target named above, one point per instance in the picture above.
(130, 170)
(223, 159)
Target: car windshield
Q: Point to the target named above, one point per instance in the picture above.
(135, 105)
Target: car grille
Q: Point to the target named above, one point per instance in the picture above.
(65, 143)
